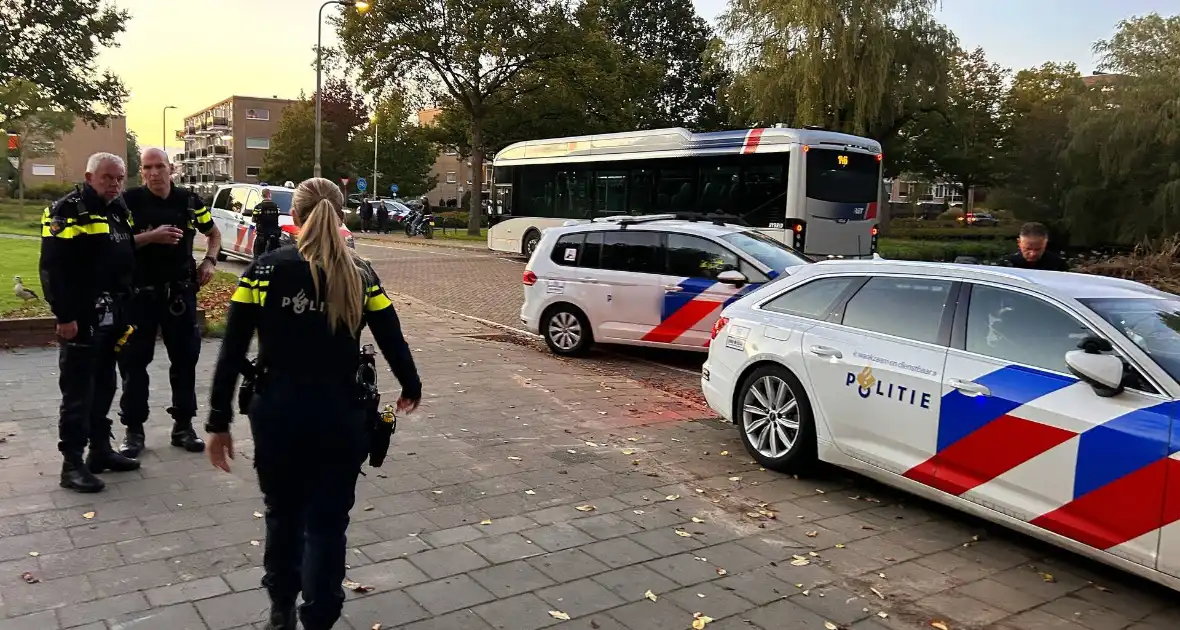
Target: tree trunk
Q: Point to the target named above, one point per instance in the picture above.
(475, 211)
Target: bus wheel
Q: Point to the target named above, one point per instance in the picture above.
(531, 238)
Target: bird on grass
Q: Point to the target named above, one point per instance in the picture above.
(21, 291)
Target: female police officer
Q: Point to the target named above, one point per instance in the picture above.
(308, 303)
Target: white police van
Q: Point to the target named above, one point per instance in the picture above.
(233, 209)
(658, 280)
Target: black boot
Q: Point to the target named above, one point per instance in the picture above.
(281, 617)
(103, 458)
(133, 442)
(183, 435)
(77, 477)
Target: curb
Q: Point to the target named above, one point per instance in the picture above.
(26, 332)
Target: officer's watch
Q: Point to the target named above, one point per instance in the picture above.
(212, 260)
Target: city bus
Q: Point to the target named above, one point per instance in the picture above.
(818, 191)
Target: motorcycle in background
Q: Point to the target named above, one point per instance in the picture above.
(418, 222)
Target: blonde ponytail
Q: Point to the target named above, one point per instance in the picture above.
(325, 249)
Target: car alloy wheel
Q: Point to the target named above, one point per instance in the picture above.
(770, 417)
(565, 331)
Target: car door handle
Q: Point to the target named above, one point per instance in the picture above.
(969, 388)
(824, 351)
(673, 288)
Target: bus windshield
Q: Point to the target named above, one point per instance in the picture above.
(842, 176)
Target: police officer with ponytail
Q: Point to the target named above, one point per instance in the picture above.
(308, 303)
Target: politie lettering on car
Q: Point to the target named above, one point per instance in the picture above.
(658, 280)
(1045, 401)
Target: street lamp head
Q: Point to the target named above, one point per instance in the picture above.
(362, 7)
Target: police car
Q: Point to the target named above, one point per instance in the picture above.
(233, 208)
(1045, 401)
(654, 280)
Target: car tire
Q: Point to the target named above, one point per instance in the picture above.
(765, 443)
(529, 244)
(566, 330)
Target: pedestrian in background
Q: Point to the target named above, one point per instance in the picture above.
(87, 264)
(382, 219)
(1033, 243)
(366, 212)
(309, 304)
(167, 278)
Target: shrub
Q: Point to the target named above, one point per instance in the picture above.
(48, 192)
(944, 251)
(957, 233)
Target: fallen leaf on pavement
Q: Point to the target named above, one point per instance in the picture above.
(355, 587)
(735, 478)
(257, 514)
(683, 534)
(724, 453)
(88, 515)
(1048, 577)
(877, 593)
(591, 444)
(557, 614)
(699, 621)
(812, 534)
(584, 508)
(254, 543)
(486, 521)
(368, 508)
(800, 562)
(721, 571)
(818, 491)
(571, 451)
(638, 512)
(514, 458)
(672, 497)
(628, 451)
(938, 624)
(29, 578)
(650, 595)
(698, 520)
(631, 439)
(376, 626)
(437, 491)
(883, 614)
(530, 492)
(839, 546)
(34, 553)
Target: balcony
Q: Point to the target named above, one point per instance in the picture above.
(203, 129)
(219, 149)
(190, 157)
(190, 132)
(219, 124)
(205, 177)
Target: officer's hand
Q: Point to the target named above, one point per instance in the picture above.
(205, 273)
(221, 449)
(68, 330)
(406, 405)
(166, 235)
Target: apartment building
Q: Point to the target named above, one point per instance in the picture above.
(64, 161)
(226, 142)
(453, 172)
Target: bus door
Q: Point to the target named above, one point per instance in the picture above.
(841, 195)
(501, 204)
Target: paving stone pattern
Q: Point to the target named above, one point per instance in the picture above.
(525, 486)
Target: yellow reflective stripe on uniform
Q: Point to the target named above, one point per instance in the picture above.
(203, 219)
(71, 229)
(250, 291)
(375, 299)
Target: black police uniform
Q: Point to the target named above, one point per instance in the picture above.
(87, 262)
(166, 305)
(366, 212)
(266, 222)
(308, 423)
(382, 219)
(1048, 261)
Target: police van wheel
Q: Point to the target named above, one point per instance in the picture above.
(529, 245)
(566, 331)
(775, 418)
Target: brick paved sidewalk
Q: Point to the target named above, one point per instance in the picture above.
(526, 487)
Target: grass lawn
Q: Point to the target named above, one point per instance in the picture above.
(461, 234)
(17, 219)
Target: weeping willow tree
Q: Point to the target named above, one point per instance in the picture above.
(1124, 145)
(860, 66)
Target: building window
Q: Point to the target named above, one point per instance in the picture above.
(44, 170)
(257, 143)
(257, 114)
(451, 179)
(253, 171)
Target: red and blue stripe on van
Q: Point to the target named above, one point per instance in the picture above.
(696, 301)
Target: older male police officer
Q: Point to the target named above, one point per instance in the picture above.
(87, 259)
(167, 278)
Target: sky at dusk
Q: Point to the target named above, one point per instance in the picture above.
(265, 47)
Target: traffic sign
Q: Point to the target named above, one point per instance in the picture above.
(361, 184)
(344, 180)
(393, 188)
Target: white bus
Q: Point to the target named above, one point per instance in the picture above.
(817, 191)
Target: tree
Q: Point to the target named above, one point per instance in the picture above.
(133, 160)
(1124, 140)
(476, 53)
(404, 153)
(867, 67)
(53, 46)
(961, 142)
(39, 128)
(292, 147)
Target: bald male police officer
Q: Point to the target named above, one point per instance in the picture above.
(87, 261)
(167, 219)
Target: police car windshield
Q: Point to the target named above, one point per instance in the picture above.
(283, 199)
(766, 250)
(1153, 324)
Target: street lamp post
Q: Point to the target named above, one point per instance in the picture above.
(361, 7)
(164, 144)
(376, 127)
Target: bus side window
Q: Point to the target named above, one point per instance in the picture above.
(643, 184)
(535, 195)
(764, 188)
(573, 194)
(676, 191)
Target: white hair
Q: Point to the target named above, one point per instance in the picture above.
(98, 159)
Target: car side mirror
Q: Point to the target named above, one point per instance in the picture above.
(1103, 372)
(734, 277)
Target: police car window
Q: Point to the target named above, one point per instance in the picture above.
(695, 257)
(639, 252)
(1020, 328)
(591, 251)
(567, 249)
(910, 308)
(252, 200)
(812, 300)
(222, 200)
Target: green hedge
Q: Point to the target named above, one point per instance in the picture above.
(944, 251)
(960, 232)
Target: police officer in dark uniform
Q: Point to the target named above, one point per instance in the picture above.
(383, 219)
(87, 262)
(309, 304)
(167, 279)
(266, 222)
(1034, 254)
(366, 212)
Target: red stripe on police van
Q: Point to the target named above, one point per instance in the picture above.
(753, 139)
(679, 322)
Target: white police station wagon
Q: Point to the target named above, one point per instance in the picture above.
(1044, 401)
(649, 280)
